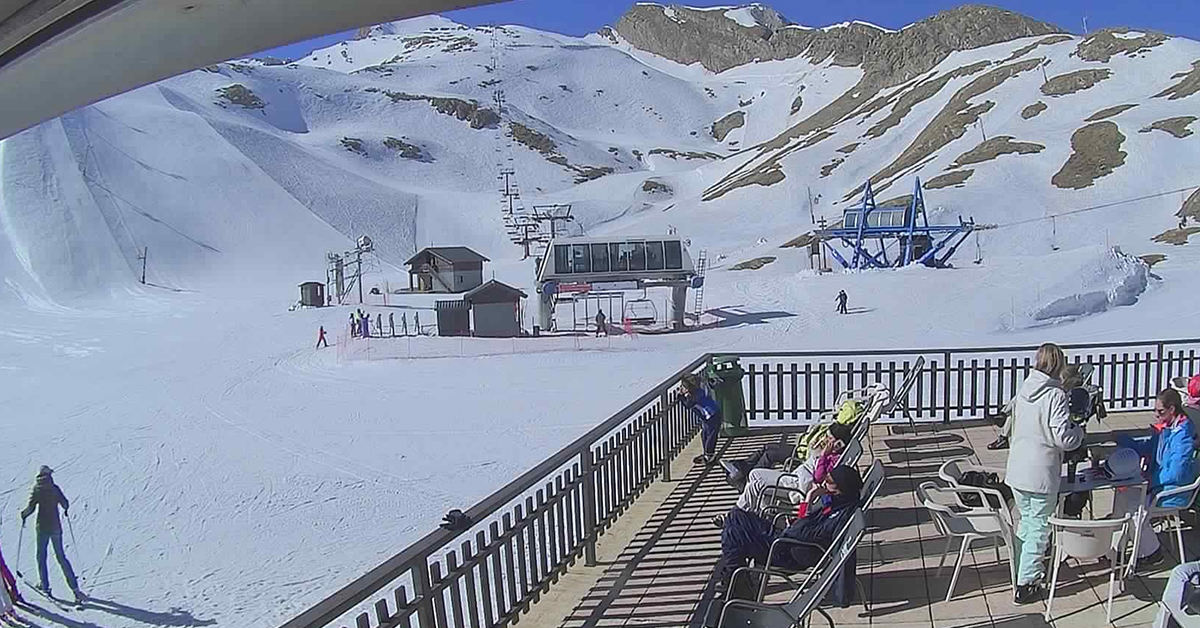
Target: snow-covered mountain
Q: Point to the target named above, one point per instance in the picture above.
(717, 121)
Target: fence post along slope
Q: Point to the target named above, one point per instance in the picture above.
(535, 528)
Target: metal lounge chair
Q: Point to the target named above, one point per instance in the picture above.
(796, 612)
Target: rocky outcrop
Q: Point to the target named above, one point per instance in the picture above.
(240, 95)
(889, 58)
(949, 179)
(1177, 126)
(1076, 81)
(1096, 153)
(993, 148)
(468, 111)
(1184, 88)
(1033, 110)
(723, 127)
(1103, 45)
(1109, 112)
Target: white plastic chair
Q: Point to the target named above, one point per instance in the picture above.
(1172, 512)
(1089, 540)
(951, 472)
(969, 524)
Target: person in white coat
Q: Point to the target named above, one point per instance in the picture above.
(1042, 431)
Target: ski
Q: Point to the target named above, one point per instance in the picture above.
(62, 604)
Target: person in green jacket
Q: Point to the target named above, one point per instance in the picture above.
(46, 497)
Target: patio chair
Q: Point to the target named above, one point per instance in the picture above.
(969, 524)
(951, 472)
(899, 398)
(1173, 512)
(1089, 540)
(809, 595)
(872, 483)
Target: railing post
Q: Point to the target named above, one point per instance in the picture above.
(1159, 383)
(589, 507)
(422, 595)
(664, 432)
(946, 389)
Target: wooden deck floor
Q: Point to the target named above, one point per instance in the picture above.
(655, 566)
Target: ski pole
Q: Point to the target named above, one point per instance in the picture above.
(20, 537)
(71, 528)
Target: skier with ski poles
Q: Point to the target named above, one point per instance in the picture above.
(45, 498)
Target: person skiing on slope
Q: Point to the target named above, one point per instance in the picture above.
(321, 338)
(46, 497)
(841, 302)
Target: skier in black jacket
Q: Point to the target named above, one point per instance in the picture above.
(46, 497)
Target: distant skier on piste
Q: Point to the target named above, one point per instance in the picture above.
(321, 338)
(45, 498)
(842, 298)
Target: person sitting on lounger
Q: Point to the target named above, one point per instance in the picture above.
(803, 479)
(812, 443)
(748, 536)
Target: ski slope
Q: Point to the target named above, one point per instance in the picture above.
(223, 472)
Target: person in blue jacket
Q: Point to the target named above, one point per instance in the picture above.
(705, 409)
(1168, 455)
(747, 535)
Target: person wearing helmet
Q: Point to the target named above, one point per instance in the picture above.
(1168, 455)
(45, 498)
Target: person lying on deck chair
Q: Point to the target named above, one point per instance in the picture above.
(812, 443)
(812, 473)
(748, 536)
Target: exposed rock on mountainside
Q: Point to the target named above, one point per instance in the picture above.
(1073, 82)
(1177, 126)
(889, 58)
(479, 117)
(1104, 44)
(993, 148)
(654, 186)
(949, 179)
(1191, 207)
(753, 264)
(1109, 112)
(1046, 41)
(723, 127)
(1033, 110)
(238, 94)
(1188, 86)
(1097, 153)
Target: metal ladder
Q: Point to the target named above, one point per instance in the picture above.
(701, 267)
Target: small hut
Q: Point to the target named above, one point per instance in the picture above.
(312, 294)
(446, 269)
(496, 310)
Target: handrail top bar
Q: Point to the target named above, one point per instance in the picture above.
(366, 585)
(919, 352)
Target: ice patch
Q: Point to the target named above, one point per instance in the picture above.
(859, 22)
(743, 16)
(1113, 279)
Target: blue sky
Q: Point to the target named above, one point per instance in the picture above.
(1177, 17)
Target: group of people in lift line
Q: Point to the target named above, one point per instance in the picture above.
(46, 498)
(362, 327)
(1039, 430)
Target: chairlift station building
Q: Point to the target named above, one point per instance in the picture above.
(445, 269)
(640, 262)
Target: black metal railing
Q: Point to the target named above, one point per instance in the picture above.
(535, 528)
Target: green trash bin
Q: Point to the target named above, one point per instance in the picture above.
(726, 375)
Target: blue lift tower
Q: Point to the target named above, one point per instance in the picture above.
(919, 242)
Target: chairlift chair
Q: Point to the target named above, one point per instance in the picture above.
(641, 312)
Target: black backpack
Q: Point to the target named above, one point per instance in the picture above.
(983, 479)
